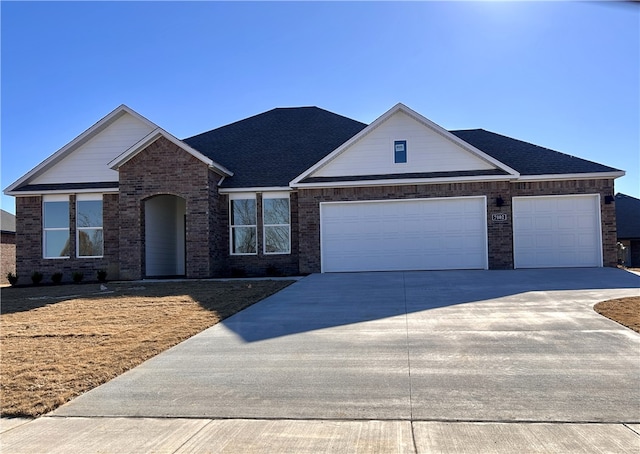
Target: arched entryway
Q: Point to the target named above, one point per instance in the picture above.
(165, 218)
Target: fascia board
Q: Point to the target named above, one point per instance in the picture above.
(573, 176)
(458, 141)
(75, 143)
(411, 181)
(155, 135)
(255, 189)
(63, 191)
(421, 119)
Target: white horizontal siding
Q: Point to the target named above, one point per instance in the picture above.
(89, 161)
(427, 151)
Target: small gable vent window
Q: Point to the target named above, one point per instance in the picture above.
(400, 151)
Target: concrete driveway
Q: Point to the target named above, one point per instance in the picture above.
(427, 348)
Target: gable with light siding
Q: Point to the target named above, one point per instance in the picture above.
(427, 151)
(89, 161)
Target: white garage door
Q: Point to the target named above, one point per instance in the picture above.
(557, 231)
(419, 234)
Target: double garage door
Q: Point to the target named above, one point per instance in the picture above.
(451, 233)
(416, 234)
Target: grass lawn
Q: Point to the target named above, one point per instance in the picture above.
(58, 342)
(625, 311)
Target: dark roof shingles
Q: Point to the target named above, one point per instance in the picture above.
(527, 158)
(272, 148)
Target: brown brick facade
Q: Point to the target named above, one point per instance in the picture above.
(263, 264)
(500, 233)
(164, 169)
(29, 243)
(7, 255)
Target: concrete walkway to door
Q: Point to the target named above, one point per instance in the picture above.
(452, 361)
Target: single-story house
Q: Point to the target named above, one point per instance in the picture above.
(304, 190)
(7, 245)
(628, 221)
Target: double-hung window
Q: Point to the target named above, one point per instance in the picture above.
(55, 223)
(89, 236)
(243, 224)
(276, 223)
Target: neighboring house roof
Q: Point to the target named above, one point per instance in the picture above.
(627, 216)
(7, 222)
(271, 148)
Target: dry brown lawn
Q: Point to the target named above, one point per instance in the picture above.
(625, 311)
(58, 342)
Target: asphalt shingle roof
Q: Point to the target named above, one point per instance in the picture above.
(274, 147)
(627, 216)
(527, 158)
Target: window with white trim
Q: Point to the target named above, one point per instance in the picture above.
(276, 223)
(55, 226)
(243, 233)
(400, 151)
(89, 234)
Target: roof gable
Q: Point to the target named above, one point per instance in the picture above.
(431, 152)
(85, 158)
(90, 161)
(155, 135)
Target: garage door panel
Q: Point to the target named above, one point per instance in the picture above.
(557, 231)
(405, 235)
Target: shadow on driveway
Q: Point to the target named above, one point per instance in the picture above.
(329, 300)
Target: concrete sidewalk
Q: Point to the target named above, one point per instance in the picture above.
(458, 361)
(71, 435)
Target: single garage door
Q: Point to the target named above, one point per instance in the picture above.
(417, 234)
(557, 231)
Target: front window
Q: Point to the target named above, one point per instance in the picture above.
(243, 226)
(89, 226)
(277, 227)
(56, 227)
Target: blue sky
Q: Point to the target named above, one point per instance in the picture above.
(557, 74)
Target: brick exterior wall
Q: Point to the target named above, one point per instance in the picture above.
(165, 169)
(500, 233)
(29, 243)
(263, 264)
(7, 255)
